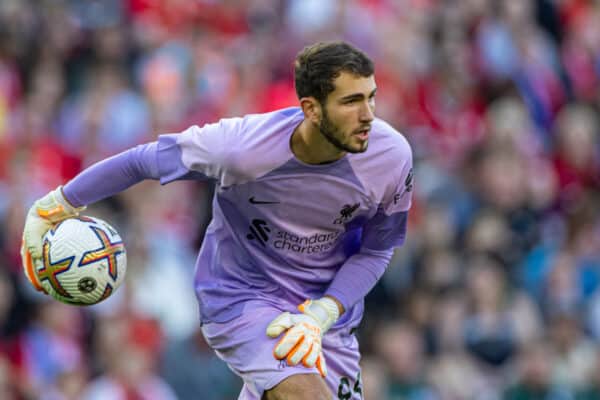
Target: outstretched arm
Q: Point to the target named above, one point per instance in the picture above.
(101, 180)
(113, 175)
(202, 148)
(162, 160)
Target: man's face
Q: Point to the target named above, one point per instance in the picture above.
(348, 112)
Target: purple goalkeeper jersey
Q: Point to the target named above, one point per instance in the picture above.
(281, 228)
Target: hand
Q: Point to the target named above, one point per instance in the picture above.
(44, 213)
(302, 340)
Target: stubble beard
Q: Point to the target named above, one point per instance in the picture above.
(331, 133)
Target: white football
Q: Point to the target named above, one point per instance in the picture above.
(84, 261)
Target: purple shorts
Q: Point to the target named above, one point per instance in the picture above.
(244, 345)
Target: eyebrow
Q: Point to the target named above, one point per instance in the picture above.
(354, 96)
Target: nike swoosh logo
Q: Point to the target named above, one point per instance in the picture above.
(252, 200)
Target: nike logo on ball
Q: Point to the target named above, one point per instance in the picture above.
(252, 200)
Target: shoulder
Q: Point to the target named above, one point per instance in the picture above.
(385, 138)
(259, 132)
(270, 121)
(249, 123)
(231, 136)
(385, 165)
(259, 144)
(388, 150)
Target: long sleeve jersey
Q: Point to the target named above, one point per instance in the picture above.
(282, 230)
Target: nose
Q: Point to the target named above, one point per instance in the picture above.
(367, 114)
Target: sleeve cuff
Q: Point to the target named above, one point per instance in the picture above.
(339, 296)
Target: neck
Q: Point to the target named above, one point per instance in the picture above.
(310, 146)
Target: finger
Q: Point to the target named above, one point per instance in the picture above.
(33, 237)
(31, 240)
(279, 324)
(34, 250)
(29, 269)
(321, 365)
(290, 340)
(310, 359)
(300, 351)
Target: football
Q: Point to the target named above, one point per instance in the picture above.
(84, 261)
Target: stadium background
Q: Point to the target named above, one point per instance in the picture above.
(494, 296)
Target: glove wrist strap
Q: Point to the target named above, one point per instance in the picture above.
(55, 207)
(324, 310)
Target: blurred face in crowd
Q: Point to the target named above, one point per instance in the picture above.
(374, 378)
(348, 111)
(401, 346)
(517, 11)
(501, 179)
(535, 365)
(577, 135)
(485, 284)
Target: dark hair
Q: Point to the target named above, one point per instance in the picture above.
(317, 66)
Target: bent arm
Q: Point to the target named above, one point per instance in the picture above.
(357, 277)
(381, 234)
(360, 272)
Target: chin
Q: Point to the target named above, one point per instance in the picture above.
(358, 148)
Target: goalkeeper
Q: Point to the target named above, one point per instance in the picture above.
(310, 202)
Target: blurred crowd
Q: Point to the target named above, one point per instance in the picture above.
(495, 295)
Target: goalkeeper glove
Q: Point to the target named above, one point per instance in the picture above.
(302, 340)
(44, 213)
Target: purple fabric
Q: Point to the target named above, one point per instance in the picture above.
(244, 346)
(358, 275)
(282, 230)
(113, 175)
(383, 232)
(341, 169)
(170, 166)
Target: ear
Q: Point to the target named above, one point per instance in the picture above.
(311, 108)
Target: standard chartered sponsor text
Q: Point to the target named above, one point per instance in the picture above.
(317, 243)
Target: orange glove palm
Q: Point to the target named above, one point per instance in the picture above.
(303, 333)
